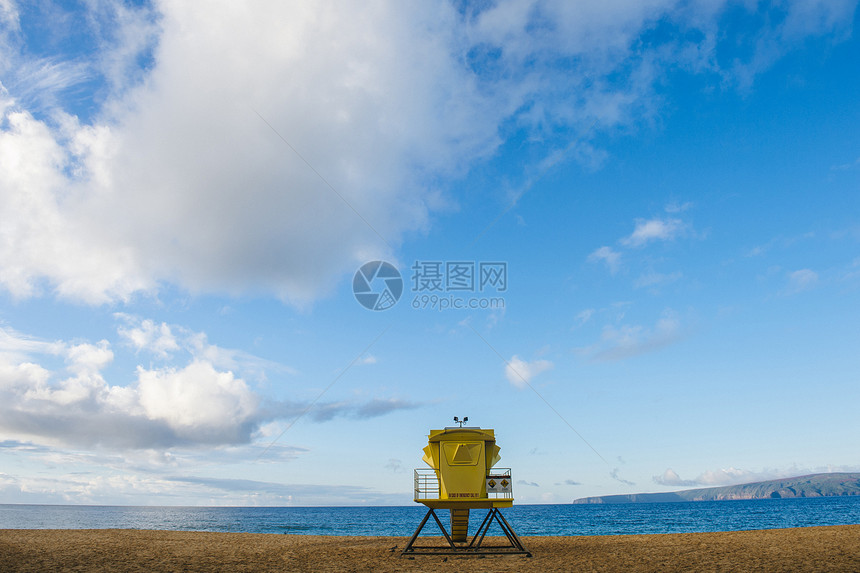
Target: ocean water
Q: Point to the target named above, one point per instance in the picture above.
(566, 519)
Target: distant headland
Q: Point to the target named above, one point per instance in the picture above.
(815, 485)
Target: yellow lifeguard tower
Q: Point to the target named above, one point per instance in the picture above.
(461, 477)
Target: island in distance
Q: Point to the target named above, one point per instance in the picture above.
(815, 485)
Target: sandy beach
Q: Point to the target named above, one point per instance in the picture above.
(834, 548)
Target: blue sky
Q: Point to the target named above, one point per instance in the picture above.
(186, 196)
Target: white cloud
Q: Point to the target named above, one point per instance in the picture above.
(9, 29)
(730, 476)
(670, 477)
(395, 465)
(655, 279)
(164, 341)
(645, 231)
(675, 207)
(851, 272)
(123, 487)
(380, 406)
(175, 178)
(583, 316)
(734, 476)
(93, 489)
(648, 230)
(325, 411)
(89, 358)
(45, 233)
(15, 346)
(163, 408)
(149, 336)
(200, 404)
(250, 365)
(251, 215)
(520, 372)
(802, 280)
(614, 475)
(781, 242)
(846, 166)
(275, 493)
(625, 341)
(8, 13)
(607, 255)
(786, 26)
(132, 33)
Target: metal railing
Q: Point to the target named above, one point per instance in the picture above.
(427, 483)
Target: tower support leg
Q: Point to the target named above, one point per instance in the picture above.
(409, 548)
(506, 528)
(474, 547)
